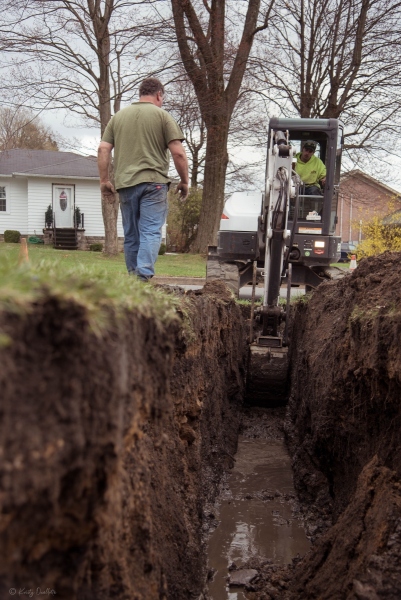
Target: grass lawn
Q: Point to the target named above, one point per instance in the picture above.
(167, 265)
(173, 265)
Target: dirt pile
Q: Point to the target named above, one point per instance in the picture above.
(111, 442)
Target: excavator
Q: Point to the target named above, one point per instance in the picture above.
(281, 237)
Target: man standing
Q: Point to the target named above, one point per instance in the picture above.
(311, 169)
(142, 135)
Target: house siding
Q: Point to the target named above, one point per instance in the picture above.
(16, 216)
(39, 198)
(87, 198)
(29, 197)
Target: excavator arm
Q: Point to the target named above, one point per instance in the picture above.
(268, 357)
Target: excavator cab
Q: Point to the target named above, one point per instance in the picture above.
(314, 245)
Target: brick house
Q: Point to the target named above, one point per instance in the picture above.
(360, 198)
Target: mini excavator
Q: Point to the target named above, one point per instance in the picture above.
(283, 236)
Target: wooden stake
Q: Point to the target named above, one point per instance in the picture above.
(23, 253)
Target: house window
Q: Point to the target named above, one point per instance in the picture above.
(3, 206)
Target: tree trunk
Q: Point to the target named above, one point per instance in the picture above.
(205, 67)
(195, 168)
(109, 209)
(213, 187)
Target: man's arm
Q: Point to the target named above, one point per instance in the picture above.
(181, 164)
(103, 164)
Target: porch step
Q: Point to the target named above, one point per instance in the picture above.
(65, 238)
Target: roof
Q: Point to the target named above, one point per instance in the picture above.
(47, 163)
(370, 180)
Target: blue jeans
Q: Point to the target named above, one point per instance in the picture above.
(144, 212)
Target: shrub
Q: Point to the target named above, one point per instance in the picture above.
(162, 249)
(183, 219)
(382, 232)
(49, 216)
(77, 216)
(379, 238)
(98, 247)
(12, 237)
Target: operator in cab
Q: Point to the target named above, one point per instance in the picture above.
(311, 169)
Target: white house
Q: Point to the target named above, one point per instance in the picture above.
(31, 180)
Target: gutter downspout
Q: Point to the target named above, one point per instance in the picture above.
(350, 220)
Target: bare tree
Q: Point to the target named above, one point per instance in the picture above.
(247, 133)
(337, 59)
(181, 101)
(215, 64)
(20, 128)
(83, 55)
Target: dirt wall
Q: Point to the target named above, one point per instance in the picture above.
(103, 434)
(343, 428)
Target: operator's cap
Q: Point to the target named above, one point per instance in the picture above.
(310, 145)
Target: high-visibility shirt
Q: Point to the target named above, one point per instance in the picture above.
(310, 172)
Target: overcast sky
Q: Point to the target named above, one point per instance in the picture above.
(87, 140)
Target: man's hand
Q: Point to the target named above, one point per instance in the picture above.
(323, 181)
(108, 190)
(181, 164)
(182, 189)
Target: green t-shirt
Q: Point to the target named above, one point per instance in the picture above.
(310, 172)
(140, 135)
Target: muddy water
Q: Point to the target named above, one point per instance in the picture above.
(257, 515)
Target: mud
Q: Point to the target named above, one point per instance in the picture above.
(257, 514)
(113, 444)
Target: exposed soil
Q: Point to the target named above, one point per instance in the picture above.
(343, 429)
(113, 444)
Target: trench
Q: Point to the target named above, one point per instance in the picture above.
(257, 514)
(114, 440)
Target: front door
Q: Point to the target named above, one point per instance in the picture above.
(63, 205)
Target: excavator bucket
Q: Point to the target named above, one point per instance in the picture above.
(268, 375)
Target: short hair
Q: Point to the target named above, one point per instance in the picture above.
(150, 87)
